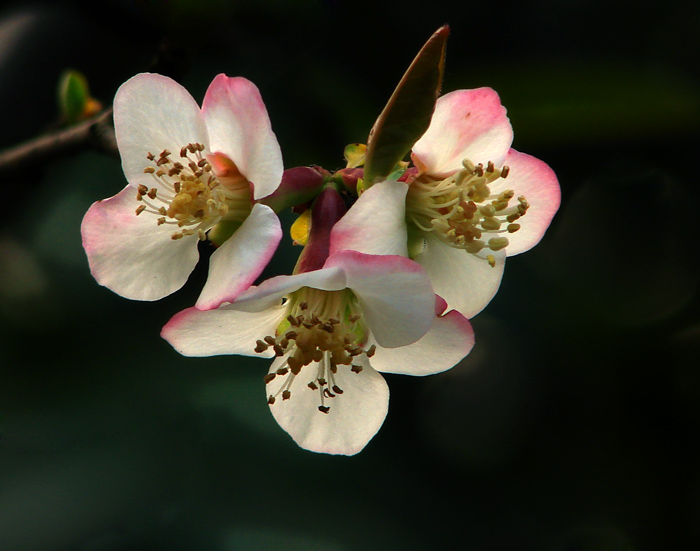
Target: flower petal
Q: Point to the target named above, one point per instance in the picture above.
(469, 124)
(466, 282)
(395, 294)
(353, 419)
(271, 291)
(449, 340)
(376, 223)
(534, 179)
(153, 113)
(241, 259)
(194, 332)
(240, 128)
(132, 255)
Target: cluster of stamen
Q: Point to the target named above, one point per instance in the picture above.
(187, 193)
(462, 211)
(322, 327)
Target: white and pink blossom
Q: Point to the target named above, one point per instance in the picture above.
(332, 331)
(190, 171)
(469, 202)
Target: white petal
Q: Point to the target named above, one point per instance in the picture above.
(395, 295)
(239, 127)
(237, 263)
(466, 282)
(153, 113)
(449, 340)
(354, 416)
(132, 255)
(376, 223)
(194, 332)
(271, 291)
(468, 124)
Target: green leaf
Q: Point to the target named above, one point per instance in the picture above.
(73, 96)
(407, 115)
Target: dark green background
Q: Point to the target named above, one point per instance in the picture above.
(569, 428)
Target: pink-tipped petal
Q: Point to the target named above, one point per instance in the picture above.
(132, 255)
(241, 259)
(352, 420)
(394, 292)
(153, 113)
(194, 332)
(533, 179)
(271, 291)
(449, 340)
(376, 223)
(240, 128)
(469, 124)
(466, 282)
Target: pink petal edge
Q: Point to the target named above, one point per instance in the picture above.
(237, 263)
(535, 180)
(132, 255)
(239, 127)
(468, 124)
(449, 340)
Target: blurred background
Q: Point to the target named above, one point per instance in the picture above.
(569, 428)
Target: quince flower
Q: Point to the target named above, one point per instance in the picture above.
(331, 327)
(190, 172)
(331, 331)
(469, 201)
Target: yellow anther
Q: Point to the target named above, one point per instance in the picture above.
(490, 224)
(498, 243)
(462, 207)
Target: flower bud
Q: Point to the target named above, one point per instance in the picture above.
(74, 100)
(298, 188)
(327, 209)
(348, 177)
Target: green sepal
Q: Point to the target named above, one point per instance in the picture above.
(222, 231)
(407, 114)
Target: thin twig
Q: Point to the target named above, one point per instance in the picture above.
(95, 134)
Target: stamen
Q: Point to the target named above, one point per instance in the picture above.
(461, 208)
(191, 200)
(324, 328)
